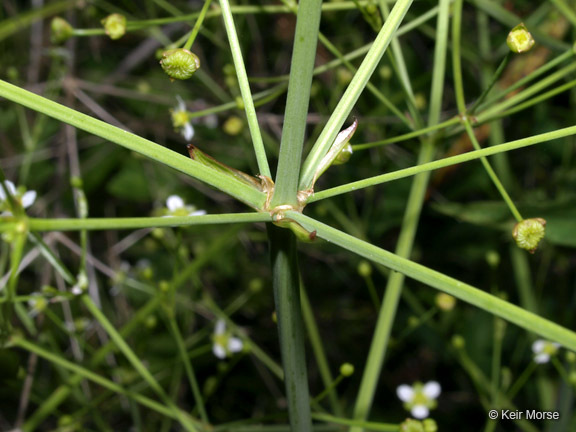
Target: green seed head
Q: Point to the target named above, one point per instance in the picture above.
(61, 30)
(528, 233)
(115, 25)
(179, 63)
(347, 369)
(519, 39)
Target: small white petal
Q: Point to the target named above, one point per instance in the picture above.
(188, 131)
(220, 327)
(405, 393)
(432, 390)
(235, 345)
(538, 346)
(174, 202)
(219, 351)
(11, 189)
(420, 411)
(541, 358)
(28, 198)
(76, 290)
(181, 105)
(198, 213)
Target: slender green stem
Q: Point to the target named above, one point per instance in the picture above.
(135, 361)
(143, 222)
(453, 160)
(418, 133)
(197, 25)
(245, 89)
(290, 329)
(319, 352)
(467, 293)
(188, 367)
(456, 57)
(491, 172)
(293, 131)
(235, 188)
(353, 92)
(495, 77)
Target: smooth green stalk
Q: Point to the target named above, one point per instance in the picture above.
(242, 192)
(491, 112)
(566, 10)
(7, 307)
(467, 293)
(353, 92)
(143, 222)
(17, 23)
(286, 281)
(491, 172)
(456, 57)
(372, 426)
(245, 89)
(383, 330)
(495, 77)
(82, 372)
(549, 65)
(135, 361)
(407, 172)
(188, 367)
(416, 134)
(197, 25)
(319, 352)
(540, 98)
(381, 337)
(294, 128)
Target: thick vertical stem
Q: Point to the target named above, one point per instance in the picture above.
(290, 327)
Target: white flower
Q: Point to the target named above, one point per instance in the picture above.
(177, 207)
(419, 398)
(26, 199)
(224, 343)
(181, 120)
(543, 350)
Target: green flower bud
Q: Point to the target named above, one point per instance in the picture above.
(346, 369)
(239, 103)
(115, 25)
(528, 233)
(519, 39)
(256, 285)
(364, 269)
(179, 63)
(430, 425)
(458, 342)
(493, 258)
(233, 126)
(61, 30)
(411, 425)
(445, 302)
(570, 357)
(344, 155)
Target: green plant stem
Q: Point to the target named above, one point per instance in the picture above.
(319, 352)
(352, 93)
(493, 176)
(294, 129)
(247, 99)
(405, 137)
(188, 367)
(197, 25)
(87, 374)
(467, 293)
(512, 145)
(233, 187)
(456, 56)
(495, 77)
(286, 280)
(143, 222)
(135, 361)
(381, 337)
